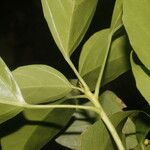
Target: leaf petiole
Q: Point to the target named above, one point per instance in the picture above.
(77, 88)
(98, 84)
(76, 97)
(61, 106)
(107, 122)
(85, 86)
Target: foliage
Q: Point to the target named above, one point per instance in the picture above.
(37, 101)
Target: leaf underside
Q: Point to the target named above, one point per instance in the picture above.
(136, 20)
(41, 83)
(68, 21)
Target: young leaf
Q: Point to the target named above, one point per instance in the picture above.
(9, 94)
(117, 14)
(35, 128)
(98, 137)
(41, 83)
(142, 78)
(92, 57)
(136, 20)
(68, 21)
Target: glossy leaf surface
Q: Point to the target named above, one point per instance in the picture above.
(68, 21)
(92, 57)
(9, 94)
(142, 78)
(136, 16)
(41, 83)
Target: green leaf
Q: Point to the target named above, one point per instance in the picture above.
(92, 51)
(136, 130)
(92, 56)
(136, 20)
(129, 131)
(117, 14)
(9, 88)
(9, 94)
(111, 103)
(68, 21)
(138, 148)
(41, 83)
(71, 138)
(97, 136)
(142, 78)
(34, 129)
(142, 123)
(8, 111)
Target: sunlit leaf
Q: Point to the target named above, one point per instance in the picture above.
(92, 57)
(142, 78)
(136, 20)
(9, 94)
(41, 83)
(68, 21)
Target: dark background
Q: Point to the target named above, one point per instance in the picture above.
(25, 39)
